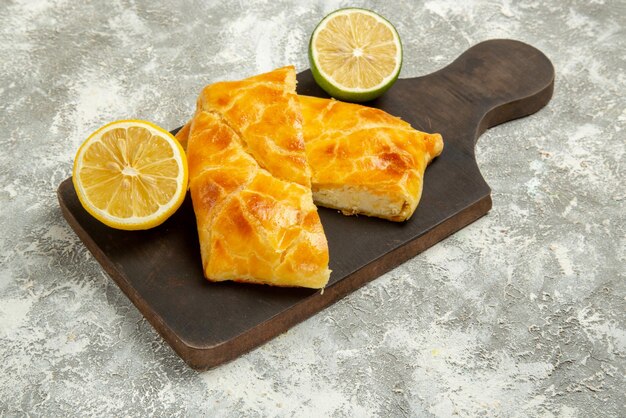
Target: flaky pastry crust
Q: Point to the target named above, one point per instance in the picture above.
(365, 160)
(253, 227)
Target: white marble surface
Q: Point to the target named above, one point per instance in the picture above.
(520, 314)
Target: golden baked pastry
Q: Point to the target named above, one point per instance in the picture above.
(364, 160)
(264, 110)
(253, 226)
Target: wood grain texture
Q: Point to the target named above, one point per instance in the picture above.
(209, 323)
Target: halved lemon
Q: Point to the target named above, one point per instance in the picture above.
(130, 174)
(355, 54)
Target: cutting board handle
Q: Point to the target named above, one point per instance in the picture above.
(494, 82)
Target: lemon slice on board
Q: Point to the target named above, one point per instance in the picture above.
(355, 54)
(130, 174)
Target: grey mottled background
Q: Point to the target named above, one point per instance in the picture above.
(522, 313)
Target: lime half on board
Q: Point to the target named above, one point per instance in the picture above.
(355, 54)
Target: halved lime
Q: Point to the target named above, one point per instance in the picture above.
(355, 54)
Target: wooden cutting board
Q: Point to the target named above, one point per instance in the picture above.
(207, 324)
